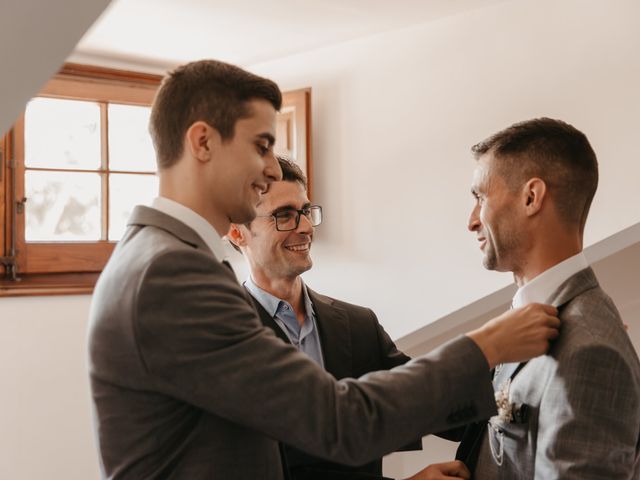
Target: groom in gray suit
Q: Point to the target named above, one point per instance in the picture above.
(186, 382)
(574, 413)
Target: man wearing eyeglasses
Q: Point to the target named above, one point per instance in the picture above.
(344, 339)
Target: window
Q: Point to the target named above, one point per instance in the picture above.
(76, 163)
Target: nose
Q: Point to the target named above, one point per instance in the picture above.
(473, 223)
(272, 170)
(304, 225)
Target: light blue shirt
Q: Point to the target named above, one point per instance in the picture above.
(306, 337)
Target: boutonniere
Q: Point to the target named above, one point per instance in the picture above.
(504, 405)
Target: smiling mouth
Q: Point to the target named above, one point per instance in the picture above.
(301, 247)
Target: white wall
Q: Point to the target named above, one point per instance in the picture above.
(393, 118)
(45, 416)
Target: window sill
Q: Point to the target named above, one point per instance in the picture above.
(49, 284)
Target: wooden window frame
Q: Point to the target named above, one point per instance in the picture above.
(68, 268)
(296, 114)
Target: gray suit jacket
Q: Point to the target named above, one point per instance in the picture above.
(187, 383)
(577, 408)
(353, 343)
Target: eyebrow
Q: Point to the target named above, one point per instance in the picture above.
(289, 207)
(268, 137)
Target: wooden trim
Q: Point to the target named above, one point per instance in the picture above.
(103, 75)
(49, 284)
(307, 134)
(4, 173)
(104, 177)
(299, 101)
(66, 257)
(83, 82)
(20, 224)
(76, 89)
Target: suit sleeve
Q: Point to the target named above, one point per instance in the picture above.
(588, 418)
(391, 356)
(201, 341)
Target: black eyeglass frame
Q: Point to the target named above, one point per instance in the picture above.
(306, 211)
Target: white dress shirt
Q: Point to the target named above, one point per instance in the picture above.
(194, 221)
(542, 287)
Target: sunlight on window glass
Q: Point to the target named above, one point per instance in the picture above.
(62, 206)
(130, 146)
(125, 192)
(62, 134)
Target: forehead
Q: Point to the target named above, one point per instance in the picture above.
(282, 194)
(484, 172)
(261, 118)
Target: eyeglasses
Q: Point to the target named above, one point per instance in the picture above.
(289, 219)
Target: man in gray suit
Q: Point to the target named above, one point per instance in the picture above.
(186, 382)
(346, 339)
(574, 413)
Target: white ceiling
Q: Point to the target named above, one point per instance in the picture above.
(156, 34)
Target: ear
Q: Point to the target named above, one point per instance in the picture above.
(534, 193)
(201, 140)
(237, 235)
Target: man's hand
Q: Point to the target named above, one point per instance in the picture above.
(443, 471)
(517, 335)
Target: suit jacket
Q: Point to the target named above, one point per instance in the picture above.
(188, 384)
(353, 343)
(577, 409)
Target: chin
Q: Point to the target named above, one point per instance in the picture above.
(490, 263)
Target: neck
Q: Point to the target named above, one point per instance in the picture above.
(547, 250)
(172, 184)
(287, 289)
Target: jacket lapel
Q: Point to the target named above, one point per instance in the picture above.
(335, 335)
(572, 287)
(267, 320)
(145, 216)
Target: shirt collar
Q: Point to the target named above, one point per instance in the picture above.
(542, 287)
(194, 221)
(271, 303)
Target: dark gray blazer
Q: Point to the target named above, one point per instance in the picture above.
(353, 343)
(581, 415)
(188, 384)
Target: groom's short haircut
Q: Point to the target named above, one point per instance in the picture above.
(553, 151)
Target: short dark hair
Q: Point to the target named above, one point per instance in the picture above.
(211, 91)
(291, 172)
(553, 151)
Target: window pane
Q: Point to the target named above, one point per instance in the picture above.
(125, 192)
(62, 134)
(130, 146)
(62, 206)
